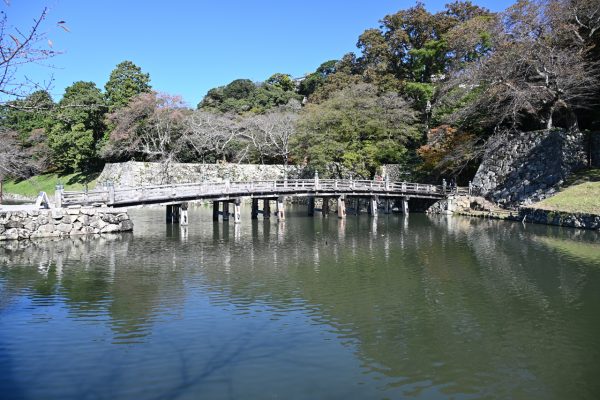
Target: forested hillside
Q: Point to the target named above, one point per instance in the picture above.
(424, 90)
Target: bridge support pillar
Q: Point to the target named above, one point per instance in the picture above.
(172, 214)
(176, 213)
(387, 206)
(325, 207)
(266, 208)
(237, 210)
(357, 206)
(184, 214)
(404, 202)
(169, 214)
(341, 207)
(254, 214)
(311, 206)
(215, 210)
(373, 206)
(225, 211)
(281, 208)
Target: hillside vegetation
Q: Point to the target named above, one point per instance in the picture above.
(426, 90)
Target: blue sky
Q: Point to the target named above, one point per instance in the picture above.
(189, 47)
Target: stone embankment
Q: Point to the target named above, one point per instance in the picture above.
(522, 168)
(461, 204)
(33, 223)
(133, 174)
(479, 207)
(558, 218)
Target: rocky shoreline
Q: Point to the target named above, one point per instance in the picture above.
(31, 223)
(559, 218)
(471, 206)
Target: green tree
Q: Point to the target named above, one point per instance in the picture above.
(126, 81)
(357, 129)
(282, 81)
(312, 81)
(243, 96)
(78, 127)
(410, 44)
(28, 114)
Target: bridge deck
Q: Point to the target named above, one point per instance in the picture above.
(222, 191)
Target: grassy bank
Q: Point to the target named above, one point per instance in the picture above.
(47, 182)
(581, 193)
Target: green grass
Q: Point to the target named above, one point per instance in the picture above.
(581, 193)
(47, 182)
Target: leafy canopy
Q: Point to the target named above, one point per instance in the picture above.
(126, 81)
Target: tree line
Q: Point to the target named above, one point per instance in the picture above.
(425, 90)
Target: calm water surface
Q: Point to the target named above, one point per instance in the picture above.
(417, 307)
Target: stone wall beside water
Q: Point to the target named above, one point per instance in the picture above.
(568, 219)
(32, 223)
(132, 173)
(525, 167)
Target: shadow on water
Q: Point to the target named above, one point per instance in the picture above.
(428, 306)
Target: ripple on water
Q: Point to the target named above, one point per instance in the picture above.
(315, 308)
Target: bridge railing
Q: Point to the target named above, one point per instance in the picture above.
(156, 193)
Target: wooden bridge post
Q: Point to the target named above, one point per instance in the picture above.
(169, 214)
(266, 208)
(225, 210)
(215, 210)
(325, 207)
(254, 213)
(58, 196)
(176, 212)
(357, 206)
(387, 206)
(404, 201)
(341, 207)
(281, 208)
(373, 206)
(237, 212)
(311, 206)
(184, 214)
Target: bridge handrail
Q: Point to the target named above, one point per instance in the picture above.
(111, 195)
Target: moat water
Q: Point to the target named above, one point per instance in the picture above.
(418, 307)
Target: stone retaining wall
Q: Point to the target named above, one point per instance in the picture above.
(460, 204)
(522, 168)
(572, 220)
(132, 173)
(30, 224)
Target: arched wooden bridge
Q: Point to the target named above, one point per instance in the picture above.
(232, 192)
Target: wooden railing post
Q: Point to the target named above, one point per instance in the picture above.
(58, 196)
